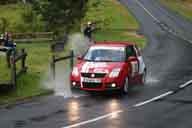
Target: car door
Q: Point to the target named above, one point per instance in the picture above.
(132, 60)
(140, 60)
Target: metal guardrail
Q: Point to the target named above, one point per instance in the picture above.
(33, 37)
(58, 59)
(12, 59)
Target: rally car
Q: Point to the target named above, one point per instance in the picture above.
(109, 66)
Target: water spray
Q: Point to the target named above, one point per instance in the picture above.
(61, 84)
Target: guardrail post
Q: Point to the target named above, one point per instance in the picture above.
(71, 59)
(13, 68)
(24, 68)
(53, 66)
(8, 54)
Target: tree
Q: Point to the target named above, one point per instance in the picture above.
(60, 14)
(3, 24)
(7, 1)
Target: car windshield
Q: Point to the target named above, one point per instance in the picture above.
(105, 54)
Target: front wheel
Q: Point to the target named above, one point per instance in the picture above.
(126, 88)
(143, 80)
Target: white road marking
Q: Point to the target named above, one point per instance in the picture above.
(94, 119)
(190, 41)
(120, 111)
(163, 95)
(147, 11)
(186, 84)
(154, 99)
(158, 21)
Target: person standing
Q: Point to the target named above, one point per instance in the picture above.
(8, 41)
(88, 30)
(10, 46)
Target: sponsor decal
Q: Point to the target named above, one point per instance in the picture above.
(92, 65)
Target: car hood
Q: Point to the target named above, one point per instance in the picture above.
(98, 67)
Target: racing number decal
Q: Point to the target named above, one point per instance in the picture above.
(134, 67)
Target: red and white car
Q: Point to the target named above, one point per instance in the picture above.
(109, 66)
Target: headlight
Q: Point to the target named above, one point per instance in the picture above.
(115, 73)
(75, 71)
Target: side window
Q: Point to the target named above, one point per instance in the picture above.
(130, 51)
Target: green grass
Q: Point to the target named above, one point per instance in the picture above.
(182, 7)
(113, 19)
(109, 14)
(120, 36)
(4, 71)
(14, 15)
(29, 83)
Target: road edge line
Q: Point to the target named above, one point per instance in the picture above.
(94, 119)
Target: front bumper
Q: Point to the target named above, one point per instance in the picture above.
(104, 85)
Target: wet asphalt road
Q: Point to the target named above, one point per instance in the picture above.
(168, 58)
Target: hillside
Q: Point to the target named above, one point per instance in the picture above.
(182, 7)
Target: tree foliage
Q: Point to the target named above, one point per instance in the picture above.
(60, 14)
(7, 1)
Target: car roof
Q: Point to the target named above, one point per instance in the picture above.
(114, 44)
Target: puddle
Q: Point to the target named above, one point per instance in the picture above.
(20, 124)
(45, 117)
(151, 80)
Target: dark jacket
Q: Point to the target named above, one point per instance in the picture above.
(88, 31)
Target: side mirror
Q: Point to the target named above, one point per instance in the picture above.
(79, 57)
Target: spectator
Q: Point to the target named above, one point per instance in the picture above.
(8, 41)
(10, 46)
(88, 30)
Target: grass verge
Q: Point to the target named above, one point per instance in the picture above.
(114, 22)
(182, 7)
(19, 18)
(28, 84)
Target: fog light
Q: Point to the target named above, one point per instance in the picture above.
(113, 85)
(73, 83)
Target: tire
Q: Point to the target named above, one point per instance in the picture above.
(143, 80)
(126, 88)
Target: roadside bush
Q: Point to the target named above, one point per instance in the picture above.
(8, 1)
(19, 18)
(31, 20)
(3, 24)
(60, 15)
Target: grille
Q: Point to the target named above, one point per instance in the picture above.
(91, 85)
(97, 75)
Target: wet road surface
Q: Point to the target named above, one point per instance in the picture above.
(169, 65)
